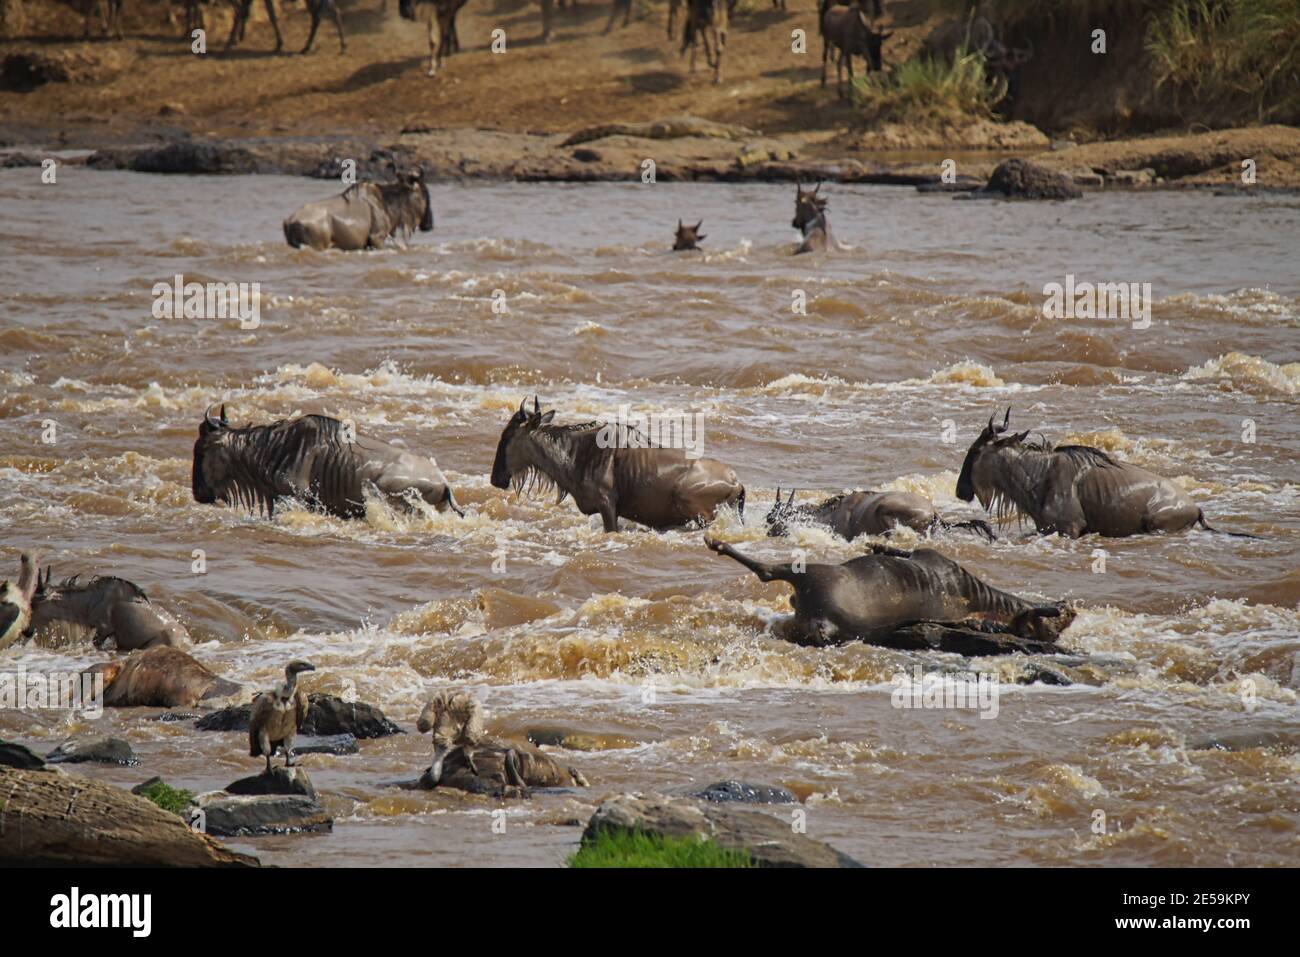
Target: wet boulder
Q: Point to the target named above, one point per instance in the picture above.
(1021, 179)
(337, 744)
(94, 750)
(278, 781)
(239, 815)
(767, 839)
(327, 716)
(737, 792)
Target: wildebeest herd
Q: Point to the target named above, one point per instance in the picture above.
(848, 29)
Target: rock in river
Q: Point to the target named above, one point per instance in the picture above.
(100, 750)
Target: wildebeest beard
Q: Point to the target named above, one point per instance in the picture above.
(571, 448)
(1022, 477)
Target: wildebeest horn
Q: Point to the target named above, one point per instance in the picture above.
(211, 419)
(778, 494)
(523, 406)
(698, 225)
(537, 406)
(224, 420)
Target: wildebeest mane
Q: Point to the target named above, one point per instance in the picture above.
(74, 584)
(573, 445)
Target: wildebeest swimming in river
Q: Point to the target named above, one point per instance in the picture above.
(441, 14)
(111, 607)
(810, 218)
(1071, 489)
(314, 458)
(866, 513)
(364, 215)
(688, 236)
(659, 487)
(881, 598)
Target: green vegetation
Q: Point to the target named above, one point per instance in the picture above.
(169, 798)
(928, 92)
(1223, 51)
(636, 849)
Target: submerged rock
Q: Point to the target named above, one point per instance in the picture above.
(767, 839)
(723, 792)
(327, 716)
(278, 781)
(1020, 179)
(326, 744)
(231, 815)
(101, 750)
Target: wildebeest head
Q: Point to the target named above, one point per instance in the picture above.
(512, 455)
(874, 42)
(456, 719)
(976, 478)
(808, 206)
(783, 514)
(211, 468)
(415, 178)
(688, 236)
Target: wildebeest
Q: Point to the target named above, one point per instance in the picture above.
(619, 6)
(364, 215)
(706, 20)
(866, 513)
(159, 677)
(16, 601)
(240, 23)
(465, 757)
(1072, 490)
(658, 487)
(442, 15)
(688, 236)
(881, 597)
(110, 12)
(317, 8)
(810, 218)
(848, 30)
(276, 716)
(978, 36)
(111, 607)
(314, 458)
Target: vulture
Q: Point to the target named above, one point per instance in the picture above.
(277, 715)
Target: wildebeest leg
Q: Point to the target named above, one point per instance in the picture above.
(719, 41)
(512, 769)
(314, 7)
(435, 47)
(468, 754)
(609, 517)
(237, 24)
(338, 24)
(764, 570)
(826, 52)
(275, 25)
(546, 20)
(672, 16)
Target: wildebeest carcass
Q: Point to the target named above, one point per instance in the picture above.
(16, 601)
(706, 22)
(866, 513)
(810, 219)
(688, 236)
(659, 487)
(316, 459)
(1072, 490)
(441, 18)
(159, 677)
(112, 608)
(364, 215)
(899, 599)
(849, 32)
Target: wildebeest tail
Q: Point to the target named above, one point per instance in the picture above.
(740, 505)
(1200, 520)
(975, 525)
(293, 233)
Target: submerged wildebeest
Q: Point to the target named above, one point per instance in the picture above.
(465, 757)
(111, 607)
(866, 513)
(688, 236)
(364, 215)
(879, 598)
(276, 716)
(659, 487)
(16, 601)
(314, 458)
(706, 20)
(159, 677)
(810, 218)
(442, 15)
(1072, 490)
(110, 12)
(848, 30)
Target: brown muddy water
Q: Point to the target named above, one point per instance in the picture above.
(648, 641)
